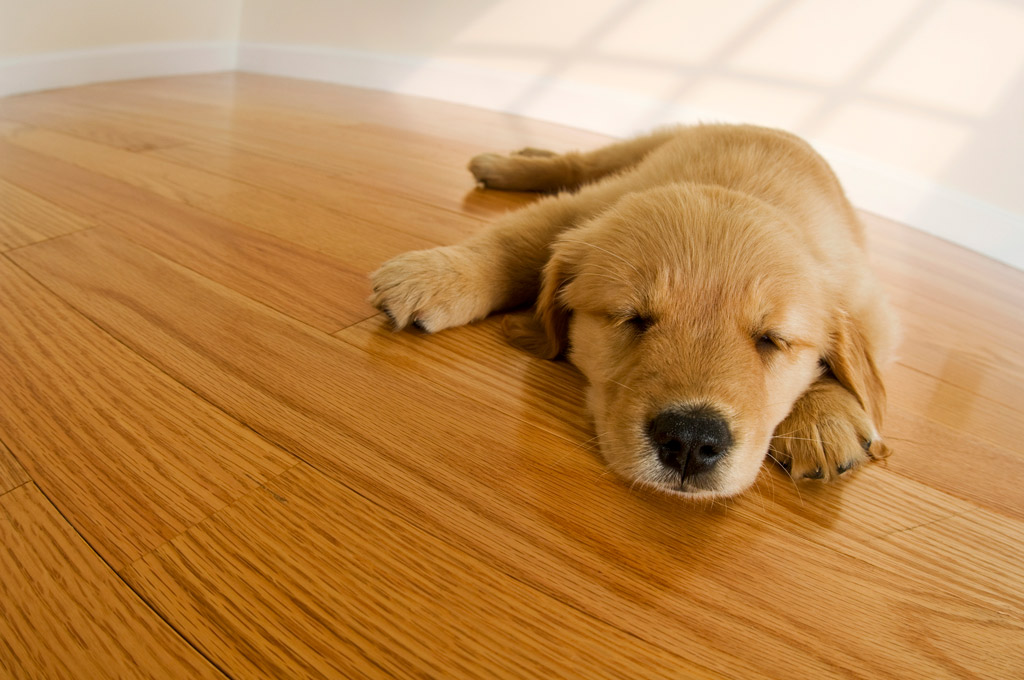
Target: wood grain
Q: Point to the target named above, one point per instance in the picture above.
(950, 352)
(304, 171)
(954, 461)
(478, 357)
(617, 556)
(64, 614)
(66, 116)
(450, 516)
(129, 456)
(348, 192)
(11, 473)
(355, 240)
(268, 592)
(429, 168)
(960, 548)
(314, 288)
(948, 402)
(320, 290)
(327, 106)
(25, 218)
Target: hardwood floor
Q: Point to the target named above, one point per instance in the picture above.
(215, 458)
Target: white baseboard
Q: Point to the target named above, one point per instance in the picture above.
(36, 72)
(873, 186)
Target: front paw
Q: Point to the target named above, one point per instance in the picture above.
(491, 170)
(826, 435)
(431, 289)
(517, 171)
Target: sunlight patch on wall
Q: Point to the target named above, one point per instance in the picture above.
(960, 60)
(663, 33)
(657, 83)
(905, 139)
(745, 100)
(535, 23)
(819, 42)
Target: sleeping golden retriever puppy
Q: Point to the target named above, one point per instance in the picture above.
(711, 284)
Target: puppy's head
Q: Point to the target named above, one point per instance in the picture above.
(698, 318)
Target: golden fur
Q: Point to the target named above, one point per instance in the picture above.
(698, 270)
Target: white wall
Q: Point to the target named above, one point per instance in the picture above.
(32, 27)
(918, 103)
(59, 43)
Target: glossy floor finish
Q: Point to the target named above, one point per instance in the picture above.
(217, 460)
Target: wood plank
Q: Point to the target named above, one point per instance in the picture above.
(125, 107)
(283, 584)
(299, 138)
(722, 588)
(935, 344)
(129, 456)
(414, 165)
(308, 286)
(973, 542)
(12, 475)
(477, 358)
(296, 100)
(26, 218)
(953, 461)
(361, 243)
(976, 542)
(927, 284)
(64, 614)
(948, 323)
(55, 112)
(940, 262)
(969, 303)
(454, 123)
(963, 405)
(996, 320)
(208, 100)
(61, 184)
(341, 188)
(317, 289)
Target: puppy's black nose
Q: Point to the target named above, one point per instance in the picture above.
(690, 441)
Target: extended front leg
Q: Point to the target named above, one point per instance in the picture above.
(501, 267)
(496, 269)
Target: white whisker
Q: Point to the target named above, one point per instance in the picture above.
(623, 386)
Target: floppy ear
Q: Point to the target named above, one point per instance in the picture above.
(546, 333)
(851, 362)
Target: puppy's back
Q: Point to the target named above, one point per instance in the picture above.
(771, 165)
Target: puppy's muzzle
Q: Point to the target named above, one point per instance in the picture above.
(690, 441)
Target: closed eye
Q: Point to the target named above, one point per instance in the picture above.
(638, 323)
(769, 343)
